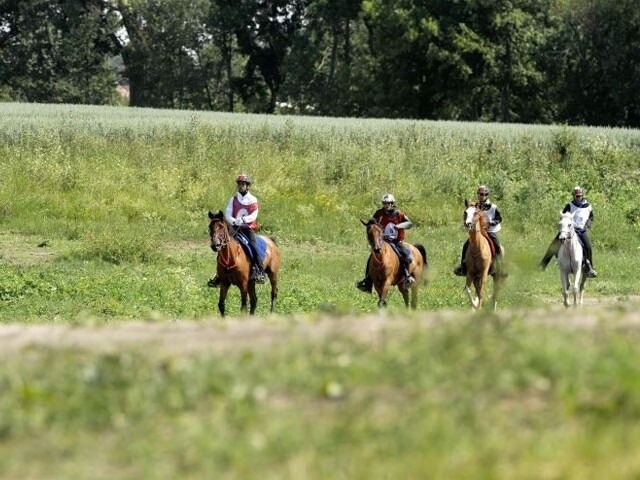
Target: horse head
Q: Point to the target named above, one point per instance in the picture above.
(374, 234)
(565, 227)
(473, 218)
(218, 231)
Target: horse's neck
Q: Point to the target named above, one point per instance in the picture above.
(231, 249)
(476, 236)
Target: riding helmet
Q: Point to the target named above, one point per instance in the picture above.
(388, 198)
(577, 190)
(483, 190)
(243, 178)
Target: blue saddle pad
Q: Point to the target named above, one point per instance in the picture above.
(398, 252)
(261, 245)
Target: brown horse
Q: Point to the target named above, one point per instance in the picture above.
(478, 257)
(386, 269)
(234, 266)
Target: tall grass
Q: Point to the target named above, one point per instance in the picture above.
(131, 187)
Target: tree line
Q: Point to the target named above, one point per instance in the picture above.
(525, 61)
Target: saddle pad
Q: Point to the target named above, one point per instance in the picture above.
(261, 245)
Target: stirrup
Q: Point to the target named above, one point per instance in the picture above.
(592, 273)
(214, 282)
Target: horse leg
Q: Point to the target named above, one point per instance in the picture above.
(273, 280)
(244, 290)
(383, 292)
(405, 296)
(414, 296)
(224, 288)
(479, 283)
(583, 280)
(472, 298)
(253, 298)
(577, 287)
(497, 285)
(564, 280)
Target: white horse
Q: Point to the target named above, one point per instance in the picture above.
(570, 257)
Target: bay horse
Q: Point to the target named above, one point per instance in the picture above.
(385, 267)
(570, 257)
(478, 257)
(234, 266)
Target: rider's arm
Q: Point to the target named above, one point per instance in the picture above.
(497, 218)
(228, 213)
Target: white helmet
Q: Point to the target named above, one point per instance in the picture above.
(388, 198)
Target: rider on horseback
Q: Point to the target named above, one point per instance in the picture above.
(495, 219)
(394, 222)
(583, 219)
(242, 212)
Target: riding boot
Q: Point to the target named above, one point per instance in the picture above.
(365, 285)
(591, 273)
(552, 251)
(257, 273)
(461, 270)
(214, 282)
(408, 278)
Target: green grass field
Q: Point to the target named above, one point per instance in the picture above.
(103, 229)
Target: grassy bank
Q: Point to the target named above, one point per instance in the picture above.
(103, 210)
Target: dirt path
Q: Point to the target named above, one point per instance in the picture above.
(216, 335)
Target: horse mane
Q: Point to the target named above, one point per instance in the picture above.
(482, 215)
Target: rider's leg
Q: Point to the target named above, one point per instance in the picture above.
(552, 251)
(406, 261)
(366, 284)
(588, 255)
(461, 270)
(257, 272)
(499, 259)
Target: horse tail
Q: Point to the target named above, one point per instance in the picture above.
(423, 252)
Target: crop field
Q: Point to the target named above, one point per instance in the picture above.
(116, 363)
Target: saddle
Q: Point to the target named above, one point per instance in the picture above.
(397, 251)
(261, 245)
(492, 245)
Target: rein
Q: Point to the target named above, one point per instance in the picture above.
(225, 256)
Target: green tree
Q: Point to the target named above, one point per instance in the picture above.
(57, 52)
(601, 65)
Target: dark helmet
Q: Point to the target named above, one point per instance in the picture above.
(483, 190)
(577, 190)
(243, 178)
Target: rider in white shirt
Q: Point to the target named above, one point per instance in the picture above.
(242, 213)
(495, 219)
(582, 220)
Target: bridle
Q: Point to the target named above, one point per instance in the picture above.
(470, 225)
(568, 233)
(219, 236)
(375, 241)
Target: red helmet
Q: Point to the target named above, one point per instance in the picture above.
(483, 190)
(577, 190)
(243, 178)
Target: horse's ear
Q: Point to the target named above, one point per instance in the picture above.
(466, 203)
(561, 214)
(210, 214)
(363, 222)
